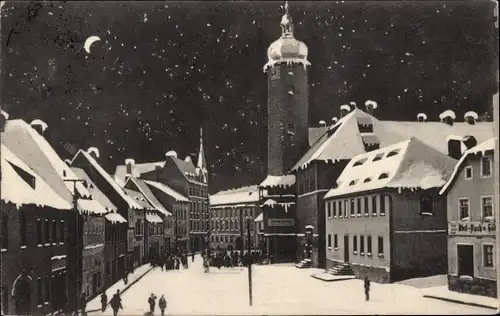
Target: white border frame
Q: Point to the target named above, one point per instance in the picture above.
(482, 208)
(482, 255)
(481, 175)
(471, 172)
(459, 210)
(473, 255)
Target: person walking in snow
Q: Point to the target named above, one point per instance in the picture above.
(152, 303)
(162, 303)
(104, 301)
(367, 289)
(116, 303)
(192, 257)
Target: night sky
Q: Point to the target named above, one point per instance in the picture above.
(164, 69)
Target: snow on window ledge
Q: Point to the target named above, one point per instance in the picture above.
(374, 214)
(335, 248)
(4, 250)
(39, 245)
(367, 214)
(39, 306)
(341, 217)
(54, 244)
(355, 252)
(46, 303)
(46, 245)
(369, 254)
(426, 213)
(465, 219)
(335, 216)
(489, 218)
(382, 214)
(329, 217)
(329, 248)
(359, 215)
(23, 247)
(380, 255)
(61, 243)
(466, 277)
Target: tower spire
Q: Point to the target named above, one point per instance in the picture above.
(286, 22)
(202, 163)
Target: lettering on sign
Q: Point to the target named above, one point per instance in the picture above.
(281, 222)
(471, 228)
(58, 264)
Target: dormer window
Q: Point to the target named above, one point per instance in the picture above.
(383, 176)
(393, 153)
(367, 180)
(359, 162)
(353, 182)
(378, 157)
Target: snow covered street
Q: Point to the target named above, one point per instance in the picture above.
(277, 289)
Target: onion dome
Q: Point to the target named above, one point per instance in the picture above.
(287, 48)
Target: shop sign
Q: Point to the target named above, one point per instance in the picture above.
(281, 222)
(471, 228)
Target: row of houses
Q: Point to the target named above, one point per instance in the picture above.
(69, 228)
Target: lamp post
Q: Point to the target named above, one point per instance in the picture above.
(250, 296)
(75, 245)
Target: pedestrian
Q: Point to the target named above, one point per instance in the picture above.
(83, 304)
(192, 257)
(162, 303)
(367, 289)
(116, 303)
(104, 301)
(125, 278)
(152, 303)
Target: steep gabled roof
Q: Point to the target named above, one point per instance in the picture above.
(131, 203)
(137, 170)
(167, 190)
(343, 140)
(94, 190)
(34, 150)
(144, 189)
(140, 199)
(482, 148)
(16, 190)
(436, 134)
(409, 164)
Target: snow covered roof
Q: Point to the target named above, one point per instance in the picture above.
(278, 181)
(115, 218)
(471, 114)
(482, 148)
(94, 190)
(408, 164)
(34, 150)
(91, 206)
(137, 170)
(144, 189)
(259, 218)
(447, 113)
(167, 190)
(270, 202)
(131, 203)
(241, 195)
(343, 140)
(435, 134)
(153, 218)
(17, 191)
(140, 199)
(315, 133)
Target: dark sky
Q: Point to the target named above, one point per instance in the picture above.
(163, 69)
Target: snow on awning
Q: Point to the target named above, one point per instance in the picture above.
(90, 206)
(278, 181)
(115, 218)
(259, 218)
(153, 218)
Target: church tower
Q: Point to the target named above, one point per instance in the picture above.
(287, 103)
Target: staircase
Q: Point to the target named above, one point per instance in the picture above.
(304, 264)
(341, 269)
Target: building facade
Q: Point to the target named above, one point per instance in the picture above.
(230, 213)
(471, 223)
(384, 218)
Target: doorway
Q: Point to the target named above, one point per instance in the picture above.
(465, 255)
(346, 248)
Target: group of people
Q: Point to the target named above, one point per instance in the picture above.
(229, 259)
(115, 302)
(171, 261)
(162, 304)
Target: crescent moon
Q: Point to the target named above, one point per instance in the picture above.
(89, 41)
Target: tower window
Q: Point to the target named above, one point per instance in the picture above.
(290, 130)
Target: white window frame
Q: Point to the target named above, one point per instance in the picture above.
(481, 205)
(471, 172)
(481, 167)
(460, 210)
(483, 255)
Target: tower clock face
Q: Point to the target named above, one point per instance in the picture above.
(275, 73)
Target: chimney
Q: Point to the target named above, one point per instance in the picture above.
(129, 163)
(335, 119)
(455, 148)
(94, 152)
(469, 141)
(344, 110)
(448, 117)
(421, 117)
(370, 106)
(322, 123)
(471, 117)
